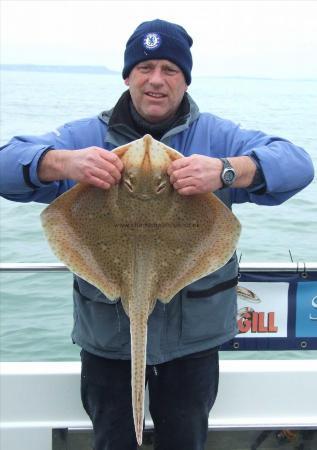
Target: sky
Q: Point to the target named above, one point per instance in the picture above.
(259, 38)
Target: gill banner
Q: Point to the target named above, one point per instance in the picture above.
(276, 311)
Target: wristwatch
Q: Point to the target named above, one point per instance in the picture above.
(228, 174)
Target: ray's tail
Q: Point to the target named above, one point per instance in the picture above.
(140, 293)
(138, 330)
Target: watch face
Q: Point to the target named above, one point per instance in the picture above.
(229, 176)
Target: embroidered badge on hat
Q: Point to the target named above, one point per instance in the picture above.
(152, 41)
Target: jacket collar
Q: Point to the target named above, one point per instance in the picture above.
(121, 127)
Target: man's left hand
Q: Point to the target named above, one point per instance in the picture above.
(195, 174)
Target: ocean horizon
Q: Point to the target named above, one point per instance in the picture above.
(98, 69)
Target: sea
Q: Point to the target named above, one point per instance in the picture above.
(36, 308)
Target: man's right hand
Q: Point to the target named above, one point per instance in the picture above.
(92, 165)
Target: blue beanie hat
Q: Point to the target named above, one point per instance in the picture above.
(159, 39)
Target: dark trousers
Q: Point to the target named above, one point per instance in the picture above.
(181, 394)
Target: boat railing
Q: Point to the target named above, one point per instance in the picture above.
(293, 267)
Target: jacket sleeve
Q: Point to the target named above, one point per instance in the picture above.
(286, 168)
(19, 163)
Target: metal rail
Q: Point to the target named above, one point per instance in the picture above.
(295, 267)
(33, 267)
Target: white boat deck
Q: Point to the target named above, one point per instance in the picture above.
(39, 397)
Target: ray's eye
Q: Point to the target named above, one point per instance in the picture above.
(161, 187)
(128, 184)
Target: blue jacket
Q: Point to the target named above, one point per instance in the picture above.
(200, 316)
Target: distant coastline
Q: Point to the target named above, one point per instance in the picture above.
(57, 68)
(103, 70)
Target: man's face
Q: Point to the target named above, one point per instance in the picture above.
(157, 88)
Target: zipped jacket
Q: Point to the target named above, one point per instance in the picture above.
(202, 315)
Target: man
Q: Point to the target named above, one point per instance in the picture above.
(183, 336)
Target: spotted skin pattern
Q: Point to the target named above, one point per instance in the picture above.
(140, 241)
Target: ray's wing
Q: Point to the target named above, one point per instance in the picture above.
(200, 237)
(79, 228)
